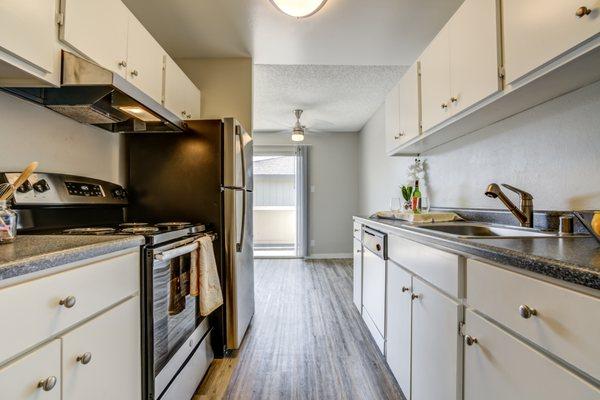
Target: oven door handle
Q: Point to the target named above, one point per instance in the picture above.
(176, 252)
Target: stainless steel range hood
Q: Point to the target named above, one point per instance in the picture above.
(94, 95)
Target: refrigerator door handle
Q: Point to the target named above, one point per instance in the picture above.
(238, 132)
(239, 245)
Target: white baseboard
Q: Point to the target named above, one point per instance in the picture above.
(327, 256)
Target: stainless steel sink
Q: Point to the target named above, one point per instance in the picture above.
(482, 230)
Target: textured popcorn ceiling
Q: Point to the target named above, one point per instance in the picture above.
(335, 98)
(343, 32)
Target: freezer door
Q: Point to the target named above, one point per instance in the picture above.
(239, 264)
(237, 157)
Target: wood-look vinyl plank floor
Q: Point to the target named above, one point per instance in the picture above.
(306, 341)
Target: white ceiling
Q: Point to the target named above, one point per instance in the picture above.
(346, 32)
(335, 98)
(329, 64)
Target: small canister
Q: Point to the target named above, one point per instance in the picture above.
(565, 224)
(8, 223)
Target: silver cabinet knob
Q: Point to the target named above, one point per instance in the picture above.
(358, 251)
(526, 312)
(398, 136)
(189, 116)
(470, 340)
(357, 230)
(85, 358)
(68, 301)
(405, 289)
(414, 296)
(134, 72)
(123, 64)
(47, 384)
(582, 11)
(183, 113)
(444, 106)
(454, 99)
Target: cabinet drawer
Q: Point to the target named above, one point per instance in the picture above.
(31, 311)
(357, 230)
(566, 323)
(19, 379)
(435, 266)
(499, 367)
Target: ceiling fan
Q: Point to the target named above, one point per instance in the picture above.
(298, 129)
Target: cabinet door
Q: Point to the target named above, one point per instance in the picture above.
(113, 341)
(474, 53)
(19, 380)
(435, 80)
(537, 31)
(436, 345)
(392, 118)
(98, 29)
(499, 366)
(410, 115)
(398, 325)
(145, 60)
(357, 275)
(27, 30)
(182, 97)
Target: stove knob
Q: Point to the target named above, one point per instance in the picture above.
(119, 194)
(25, 187)
(41, 186)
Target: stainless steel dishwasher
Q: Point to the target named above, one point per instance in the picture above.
(374, 273)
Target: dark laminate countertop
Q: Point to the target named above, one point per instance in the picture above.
(570, 259)
(34, 253)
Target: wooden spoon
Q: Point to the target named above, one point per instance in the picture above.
(20, 180)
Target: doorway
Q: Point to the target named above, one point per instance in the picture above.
(279, 206)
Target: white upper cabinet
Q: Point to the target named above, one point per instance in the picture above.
(537, 31)
(182, 97)
(474, 53)
(392, 118)
(435, 80)
(403, 110)
(145, 59)
(27, 30)
(98, 29)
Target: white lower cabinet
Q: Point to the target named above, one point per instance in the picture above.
(436, 345)
(398, 317)
(498, 366)
(111, 341)
(357, 275)
(34, 376)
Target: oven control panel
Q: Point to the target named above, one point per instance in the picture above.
(84, 189)
(60, 189)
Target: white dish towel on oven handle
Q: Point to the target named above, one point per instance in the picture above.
(204, 277)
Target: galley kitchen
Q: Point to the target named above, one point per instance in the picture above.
(299, 199)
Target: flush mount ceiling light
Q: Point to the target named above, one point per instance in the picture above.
(299, 8)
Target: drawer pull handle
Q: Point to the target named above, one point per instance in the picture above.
(470, 340)
(85, 358)
(414, 296)
(47, 384)
(68, 302)
(583, 11)
(405, 289)
(526, 312)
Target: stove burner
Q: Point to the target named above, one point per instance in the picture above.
(140, 230)
(89, 231)
(132, 224)
(172, 225)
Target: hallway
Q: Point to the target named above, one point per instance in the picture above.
(307, 340)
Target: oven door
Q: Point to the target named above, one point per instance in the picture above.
(176, 320)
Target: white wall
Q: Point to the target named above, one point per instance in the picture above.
(552, 151)
(29, 132)
(332, 171)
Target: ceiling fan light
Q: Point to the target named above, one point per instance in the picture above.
(299, 8)
(297, 137)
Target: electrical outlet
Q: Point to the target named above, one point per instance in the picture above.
(312, 243)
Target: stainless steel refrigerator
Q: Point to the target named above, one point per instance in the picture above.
(203, 175)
